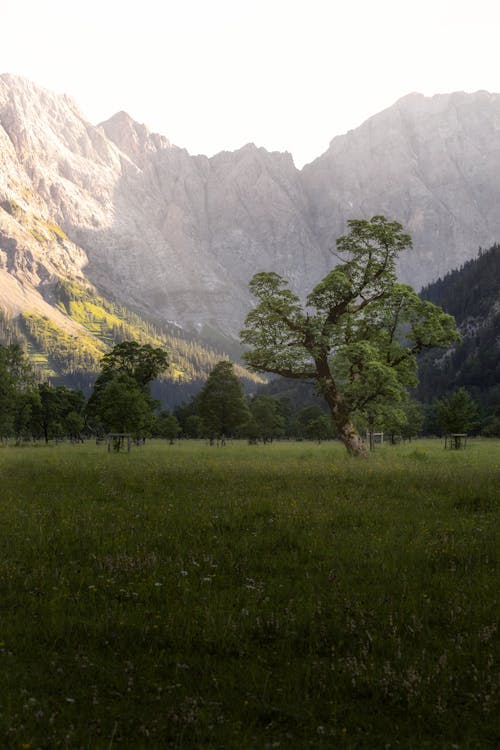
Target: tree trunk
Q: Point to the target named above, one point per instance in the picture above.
(352, 440)
(341, 416)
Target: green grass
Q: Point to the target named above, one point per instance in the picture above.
(249, 597)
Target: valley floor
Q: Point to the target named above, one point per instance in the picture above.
(250, 597)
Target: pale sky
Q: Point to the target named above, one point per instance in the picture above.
(213, 75)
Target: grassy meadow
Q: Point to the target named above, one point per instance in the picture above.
(280, 596)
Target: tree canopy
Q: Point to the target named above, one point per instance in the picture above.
(359, 333)
(222, 403)
(17, 395)
(120, 401)
(142, 362)
(457, 413)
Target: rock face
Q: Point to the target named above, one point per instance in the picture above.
(179, 236)
(431, 163)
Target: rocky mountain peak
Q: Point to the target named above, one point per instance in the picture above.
(133, 138)
(180, 236)
(432, 163)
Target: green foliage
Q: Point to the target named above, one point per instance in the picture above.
(167, 426)
(359, 335)
(55, 351)
(75, 360)
(35, 411)
(123, 406)
(112, 324)
(221, 402)
(266, 421)
(471, 294)
(471, 290)
(56, 412)
(491, 427)
(143, 363)
(298, 421)
(405, 419)
(73, 424)
(120, 401)
(243, 599)
(457, 413)
(193, 426)
(319, 428)
(16, 381)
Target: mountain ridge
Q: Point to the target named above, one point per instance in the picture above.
(178, 236)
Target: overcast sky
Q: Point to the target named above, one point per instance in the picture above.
(216, 74)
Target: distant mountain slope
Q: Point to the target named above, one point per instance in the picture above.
(178, 237)
(64, 356)
(472, 295)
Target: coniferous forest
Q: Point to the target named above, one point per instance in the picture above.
(472, 295)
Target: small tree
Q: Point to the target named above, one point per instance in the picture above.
(126, 373)
(414, 419)
(319, 428)
(304, 417)
(268, 421)
(73, 425)
(26, 405)
(167, 426)
(457, 413)
(16, 382)
(491, 426)
(125, 407)
(358, 337)
(222, 402)
(193, 426)
(50, 410)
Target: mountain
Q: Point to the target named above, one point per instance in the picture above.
(431, 163)
(176, 238)
(472, 295)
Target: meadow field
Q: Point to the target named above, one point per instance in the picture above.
(278, 596)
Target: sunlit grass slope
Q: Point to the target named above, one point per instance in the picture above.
(249, 597)
(104, 323)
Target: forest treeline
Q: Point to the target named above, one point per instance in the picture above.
(73, 361)
(121, 404)
(472, 295)
(47, 377)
